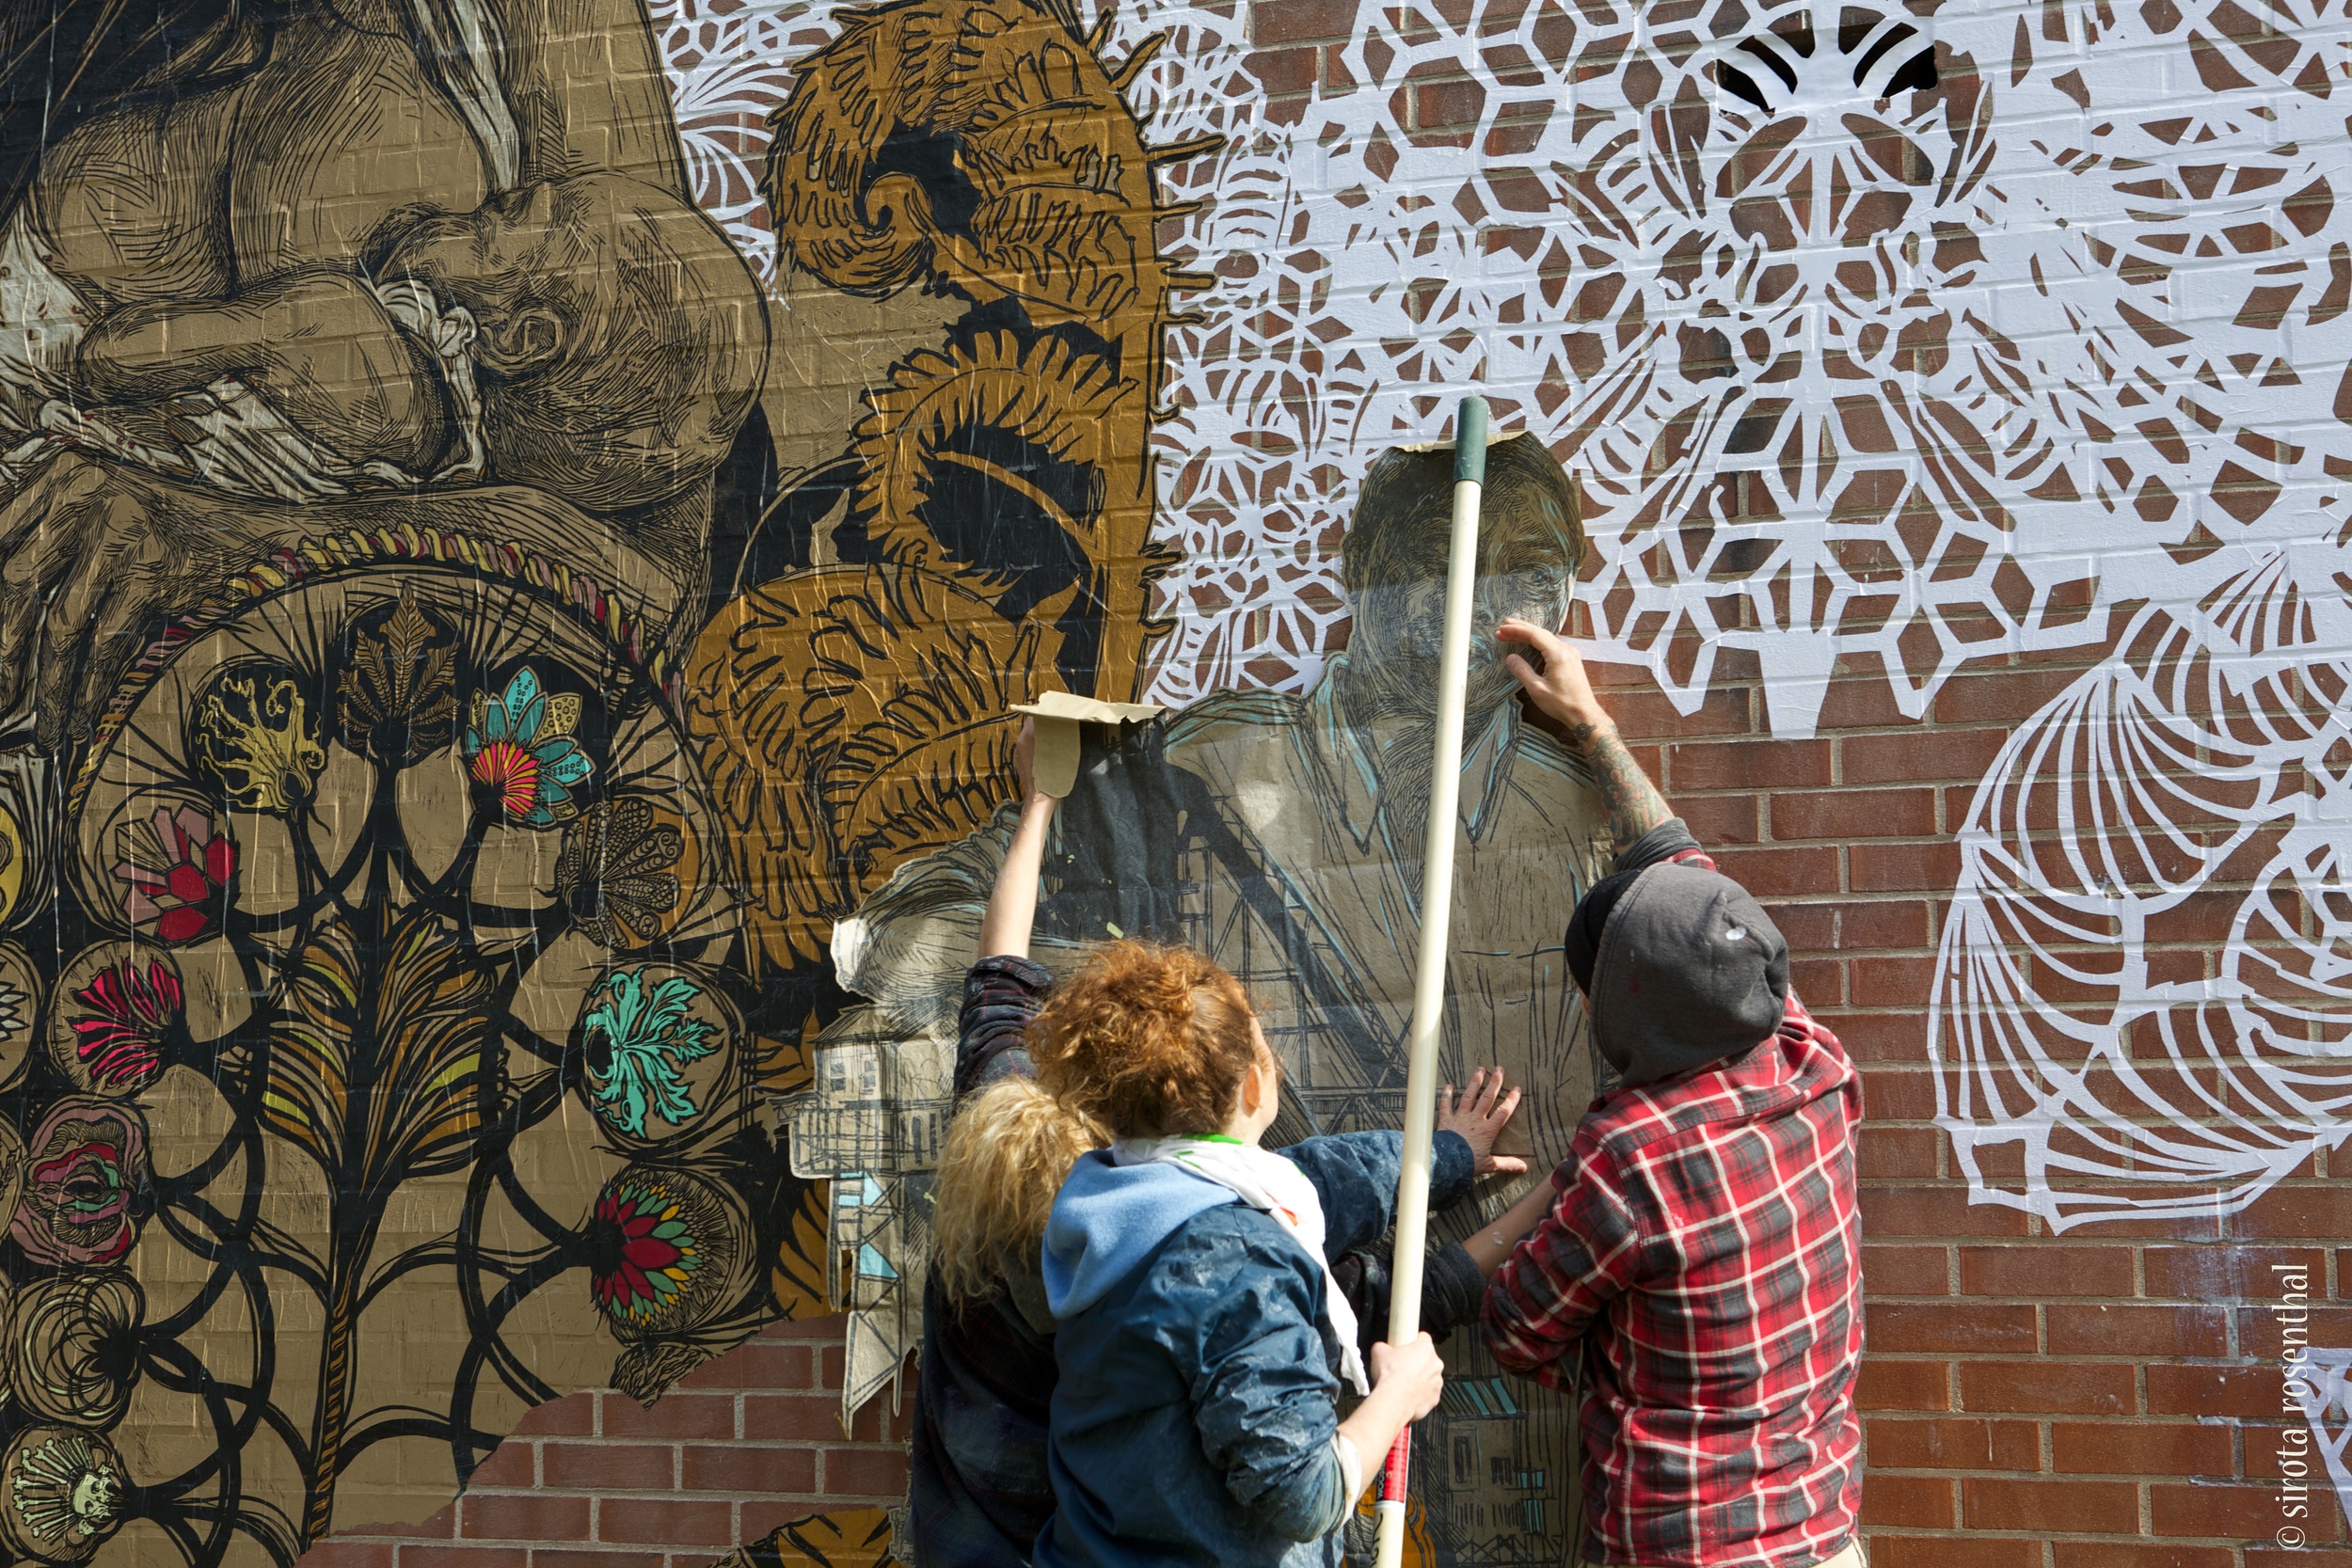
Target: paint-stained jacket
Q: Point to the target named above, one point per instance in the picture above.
(1194, 1415)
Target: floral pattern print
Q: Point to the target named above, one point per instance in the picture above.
(644, 1252)
(257, 738)
(519, 749)
(128, 1010)
(638, 1036)
(177, 869)
(615, 873)
(397, 700)
(64, 1494)
(86, 1168)
(73, 1346)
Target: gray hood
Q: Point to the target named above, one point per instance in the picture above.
(1690, 970)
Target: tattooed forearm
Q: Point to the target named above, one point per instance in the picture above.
(1635, 804)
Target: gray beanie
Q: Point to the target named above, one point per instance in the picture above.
(1690, 970)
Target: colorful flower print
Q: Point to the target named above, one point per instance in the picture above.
(122, 1023)
(258, 740)
(177, 869)
(638, 1038)
(520, 750)
(85, 1165)
(643, 1250)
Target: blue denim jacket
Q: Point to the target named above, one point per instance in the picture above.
(1193, 1417)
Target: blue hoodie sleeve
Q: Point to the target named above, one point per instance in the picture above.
(1355, 1174)
(1263, 1398)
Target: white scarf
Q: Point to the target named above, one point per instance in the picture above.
(1267, 1182)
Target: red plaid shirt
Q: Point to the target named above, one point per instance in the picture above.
(1704, 1257)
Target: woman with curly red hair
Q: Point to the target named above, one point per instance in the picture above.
(1200, 1335)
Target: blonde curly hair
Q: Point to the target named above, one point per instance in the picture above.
(1008, 1151)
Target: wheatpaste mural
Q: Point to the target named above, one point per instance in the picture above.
(520, 521)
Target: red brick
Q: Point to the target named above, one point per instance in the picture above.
(1999, 696)
(2320, 1212)
(524, 1516)
(2297, 1557)
(2269, 1453)
(814, 1418)
(666, 1522)
(1841, 814)
(1932, 867)
(705, 1417)
(2214, 1391)
(2117, 1554)
(1969, 1551)
(1272, 22)
(1822, 982)
(1888, 1384)
(2225, 1273)
(1846, 925)
(1923, 1502)
(573, 1416)
(1938, 1210)
(1933, 1327)
(1953, 1443)
(2000, 1502)
(2249, 1513)
(2139, 1448)
(510, 1467)
(744, 1470)
(1904, 1271)
(2045, 1268)
(1893, 982)
(609, 1466)
(1772, 874)
(1902, 1095)
(1718, 818)
(1866, 702)
(569, 1556)
(1918, 757)
(350, 1553)
(1651, 715)
(1895, 1153)
(1874, 1037)
(866, 1473)
(2177, 1333)
(756, 1364)
(435, 1554)
(2048, 1387)
(1746, 765)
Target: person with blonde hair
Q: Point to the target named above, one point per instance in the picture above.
(980, 1490)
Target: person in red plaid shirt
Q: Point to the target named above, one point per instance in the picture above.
(1700, 1267)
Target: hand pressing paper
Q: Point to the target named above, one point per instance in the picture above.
(1058, 714)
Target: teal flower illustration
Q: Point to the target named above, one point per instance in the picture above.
(519, 749)
(638, 1039)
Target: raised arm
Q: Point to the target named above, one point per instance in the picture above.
(1012, 904)
(1563, 694)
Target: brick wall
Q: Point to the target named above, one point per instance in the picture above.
(747, 1443)
(2112, 1399)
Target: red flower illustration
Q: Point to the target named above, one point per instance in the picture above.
(644, 1252)
(178, 869)
(512, 773)
(131, 1007)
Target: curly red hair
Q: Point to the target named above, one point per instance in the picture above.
(1151, 1041)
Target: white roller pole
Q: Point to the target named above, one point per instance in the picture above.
(1437, 898)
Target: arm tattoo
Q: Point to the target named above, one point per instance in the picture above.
(1635, 804)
